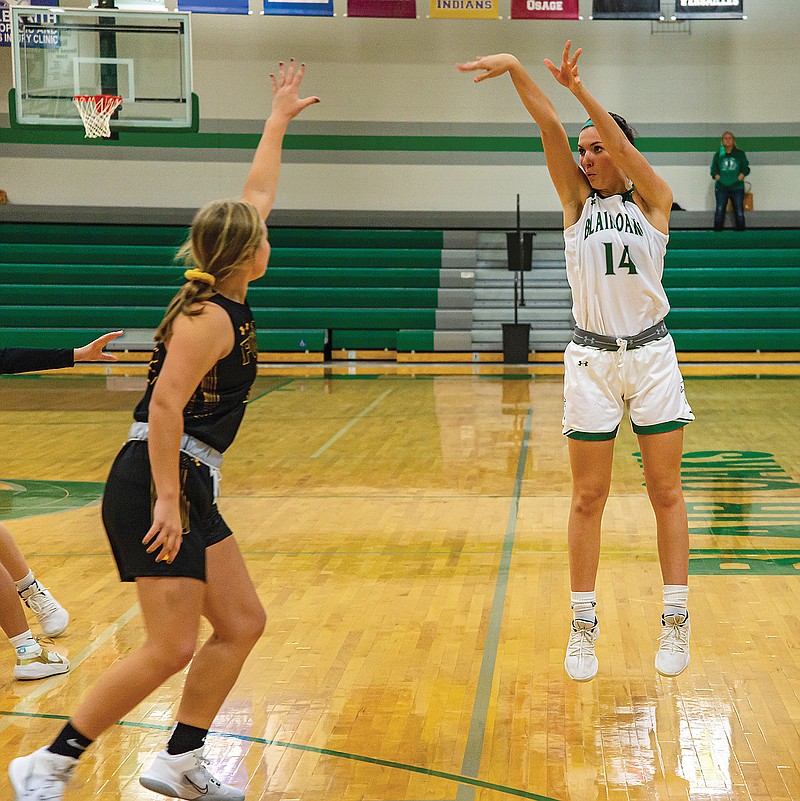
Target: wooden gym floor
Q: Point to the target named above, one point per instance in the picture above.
(407, 537)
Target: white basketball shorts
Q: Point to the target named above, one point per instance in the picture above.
(599, 384)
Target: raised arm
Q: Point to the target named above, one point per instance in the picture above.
(650, 187)
(570, 182)
(261, 186)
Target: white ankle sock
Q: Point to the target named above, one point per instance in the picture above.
(583, 605)
(676, 597)
(25, 582)
(25, 645)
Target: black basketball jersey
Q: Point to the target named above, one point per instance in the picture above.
(215, 410)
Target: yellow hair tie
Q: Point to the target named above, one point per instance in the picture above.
(199, 275)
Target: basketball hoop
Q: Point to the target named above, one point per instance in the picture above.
(96, 111)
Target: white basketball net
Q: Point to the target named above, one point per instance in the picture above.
(96, 111)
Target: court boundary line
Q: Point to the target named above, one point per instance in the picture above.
(342, 431)
(473, 750)
(384, 763)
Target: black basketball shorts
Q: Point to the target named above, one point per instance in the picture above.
(128, 514)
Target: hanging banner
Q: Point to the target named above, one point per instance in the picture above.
(33, 38)
(299, 8)
(215, 6)
(709, 9)
(386, 9)
(544, 9)
(464, 9)
(626, 9)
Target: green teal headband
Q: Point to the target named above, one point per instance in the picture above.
(587, 124)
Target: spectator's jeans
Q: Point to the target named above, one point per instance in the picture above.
(723, 195)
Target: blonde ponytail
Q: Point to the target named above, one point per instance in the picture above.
(224, 236)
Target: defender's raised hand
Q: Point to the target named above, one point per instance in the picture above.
(492, 66)
(567, 74)
(285, 88)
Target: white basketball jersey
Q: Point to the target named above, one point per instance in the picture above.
(615, 260)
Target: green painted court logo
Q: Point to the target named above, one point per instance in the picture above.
(741, 522)
(22, 498)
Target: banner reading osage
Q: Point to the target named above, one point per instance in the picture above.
(709, 9)
(544, 9)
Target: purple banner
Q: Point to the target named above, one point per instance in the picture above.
(392, 9)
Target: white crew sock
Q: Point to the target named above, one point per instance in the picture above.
(676, 597)
(583, 605)
(25, 582)
(25, 645)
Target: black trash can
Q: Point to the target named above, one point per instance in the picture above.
(516, 342)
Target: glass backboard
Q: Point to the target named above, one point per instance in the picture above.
(143, 56)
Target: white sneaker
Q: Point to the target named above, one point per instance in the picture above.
(672, 657)
(40, 776)
(580, 662)
(186, 776)
(52, 617)
(41, 666)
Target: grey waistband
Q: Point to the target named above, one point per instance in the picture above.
(192, 446)
(602, 342)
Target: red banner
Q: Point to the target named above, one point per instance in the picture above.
(544, 9)
(393, 9)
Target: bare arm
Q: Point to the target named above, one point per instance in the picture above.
(569, 181)
(261, 186)
(651, 188)
(183, 370)
(93, 352)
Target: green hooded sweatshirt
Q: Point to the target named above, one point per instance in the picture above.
(729, 166)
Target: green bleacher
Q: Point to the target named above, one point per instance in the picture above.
(363, 289)
(325, 288)
(734, 290)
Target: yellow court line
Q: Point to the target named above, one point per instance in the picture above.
(342, 431)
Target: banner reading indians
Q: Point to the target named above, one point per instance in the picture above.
(626, 9)
(464, 9)
(709, 9)
(544, 9)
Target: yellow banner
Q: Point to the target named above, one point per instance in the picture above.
(464, 9)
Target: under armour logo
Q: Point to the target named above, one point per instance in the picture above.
(582, 363)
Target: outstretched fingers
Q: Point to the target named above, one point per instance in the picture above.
(470, 66)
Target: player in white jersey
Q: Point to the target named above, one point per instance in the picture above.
(616, 227)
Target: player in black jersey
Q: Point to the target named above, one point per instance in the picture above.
(16, 578)
(159, 510)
